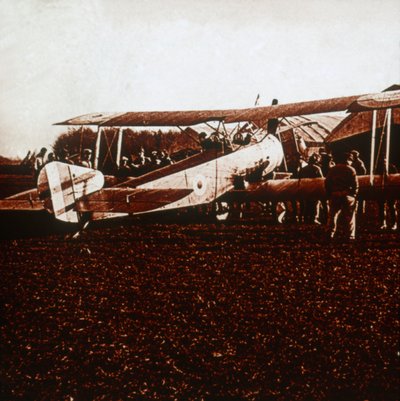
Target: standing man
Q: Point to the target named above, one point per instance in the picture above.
(359, 166)
(341, 185)
(272, 124)
(39, 162)
(357, 163)
(310, 213)
(326, 162)
(387, 207)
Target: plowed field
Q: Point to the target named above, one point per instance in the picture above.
(242, 311)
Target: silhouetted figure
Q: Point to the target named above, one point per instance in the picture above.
(205, 142)
(357, 163)
(243, 136)
(272, 124)
(141, 165)
(310, 206)
(51, 157)
(26, 161)
(300, 143)
(124, 169)
(155, 161)
(341, 185)
(359, 166)
(387, 212)
(217, 141)
(65, 156)
(39, 162)
(325, 162)
(86, 160)
(165, 158)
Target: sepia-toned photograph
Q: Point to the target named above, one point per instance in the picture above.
(199, 200)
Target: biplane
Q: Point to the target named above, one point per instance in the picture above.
(232, 165)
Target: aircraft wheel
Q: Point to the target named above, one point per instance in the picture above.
(222, 210)
(226, 211)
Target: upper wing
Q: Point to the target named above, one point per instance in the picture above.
(254, 114)
(354, 124)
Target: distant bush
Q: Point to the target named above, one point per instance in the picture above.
(9, 161)
(75, 140)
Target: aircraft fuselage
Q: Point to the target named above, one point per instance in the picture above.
(209, 180)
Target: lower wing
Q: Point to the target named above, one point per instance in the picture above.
(381, 187)
(129, 200)
(27, 200)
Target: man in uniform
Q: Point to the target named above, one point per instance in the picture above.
(39, 162)
(124, 169)
(359, 166)
(86, 158)
(341, 185)
(272, 124)
(65, 157)
(387, 207)
(310, 206)
(357, 163)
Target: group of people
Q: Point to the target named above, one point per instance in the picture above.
(217, 142)
(311, 211)
(138, 165)
(141, 164)
(44, 157)
(341, 186)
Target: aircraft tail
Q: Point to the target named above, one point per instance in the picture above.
(61, 185)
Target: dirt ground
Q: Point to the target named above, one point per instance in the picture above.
(245, 310)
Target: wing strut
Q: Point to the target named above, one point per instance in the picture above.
(372, 158)
(389, 122)
(97, 149)
(119, 146)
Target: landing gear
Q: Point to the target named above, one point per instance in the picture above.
(84, 220)
(221, 211)
(228, 210)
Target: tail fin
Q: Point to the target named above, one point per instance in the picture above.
(63, 184)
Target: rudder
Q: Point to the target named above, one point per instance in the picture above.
(63, 184)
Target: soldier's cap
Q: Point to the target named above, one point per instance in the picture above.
(355, 153)
(87, 151)
(124, 158)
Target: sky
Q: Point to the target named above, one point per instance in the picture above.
(64, 58)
